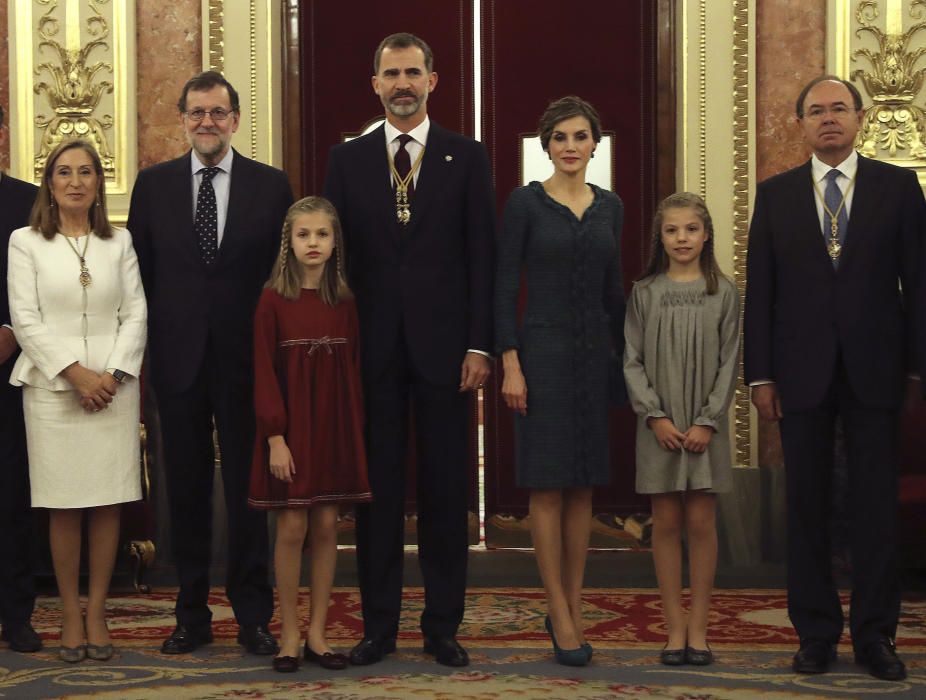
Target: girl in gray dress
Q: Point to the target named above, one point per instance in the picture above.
(680, 365)
(564, 234)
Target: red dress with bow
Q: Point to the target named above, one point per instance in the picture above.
(307, 388)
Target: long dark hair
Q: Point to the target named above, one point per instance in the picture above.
(286, 276)
(44, 216)
(659, 261)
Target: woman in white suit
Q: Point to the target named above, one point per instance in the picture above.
(79, 314)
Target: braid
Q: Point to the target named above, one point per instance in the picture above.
(284, 248)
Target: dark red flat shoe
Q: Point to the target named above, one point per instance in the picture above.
(333, 661)
(285, 664)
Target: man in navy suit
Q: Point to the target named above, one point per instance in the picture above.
(832, 268)
(418, 214)
(206, 228)
(17, 589)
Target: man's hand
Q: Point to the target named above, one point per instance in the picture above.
(476, 369)
(8, 344)
(697, 438)
(281, 459)
(667, 435)
(765, 399)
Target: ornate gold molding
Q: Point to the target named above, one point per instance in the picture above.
(702, 98)
(75, 90)
(76, 57)
(215, 42)
(879, 45)
(893, 122)
(741, 186)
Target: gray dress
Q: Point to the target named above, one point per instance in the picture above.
(571, 331)
(680, 362)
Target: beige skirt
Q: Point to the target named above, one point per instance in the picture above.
(78, 458)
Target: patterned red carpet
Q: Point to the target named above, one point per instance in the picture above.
(503, 631)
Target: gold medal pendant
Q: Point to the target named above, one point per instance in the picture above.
(85, 278)
(403, 211)
(833, 247)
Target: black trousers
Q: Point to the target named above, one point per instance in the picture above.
(17, 587)
(186, 428)
(442, 493)
(871, 436)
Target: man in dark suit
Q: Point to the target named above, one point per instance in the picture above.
(832, 268)
(206, 228)
(17, 589)
(417, 210)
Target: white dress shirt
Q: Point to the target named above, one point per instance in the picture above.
(819, 170)
(414, 147)
(221, 183)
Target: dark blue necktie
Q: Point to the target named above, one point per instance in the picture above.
(206, 221)
(833, 198)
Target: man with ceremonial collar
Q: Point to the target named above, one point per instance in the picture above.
(206, 228)
(418, 214)
(832, 271)
(17, 588)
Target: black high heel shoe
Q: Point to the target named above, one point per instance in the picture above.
(566, 657)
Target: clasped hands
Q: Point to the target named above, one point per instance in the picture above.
(96, 389)
(695, 439)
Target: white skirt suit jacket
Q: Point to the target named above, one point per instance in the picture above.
(78, 458)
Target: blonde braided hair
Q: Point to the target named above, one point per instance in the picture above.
(286, 276)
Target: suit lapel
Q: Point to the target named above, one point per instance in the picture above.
(431, 177)
(180, 190)
(865, 196)
(378, 177)
(240, 192)
(805, 203)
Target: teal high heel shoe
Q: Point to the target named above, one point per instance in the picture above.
(566, 657)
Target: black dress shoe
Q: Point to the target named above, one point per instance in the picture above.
(814, 656)
(331, 660)
(447, 651)
(672, 657)
(881, 660)
(184, 640)
(370, 651)
(699, 657)
(257, 640)
(23, 639)
(285, 664)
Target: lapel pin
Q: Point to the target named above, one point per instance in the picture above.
(448, 158)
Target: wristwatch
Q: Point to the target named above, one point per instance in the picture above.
(119, 375)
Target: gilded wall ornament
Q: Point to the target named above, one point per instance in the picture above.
(893, 123)
(74, 89)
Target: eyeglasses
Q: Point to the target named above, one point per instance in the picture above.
(218, 114)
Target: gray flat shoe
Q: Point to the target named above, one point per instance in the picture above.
(73, 655)
(100, 653)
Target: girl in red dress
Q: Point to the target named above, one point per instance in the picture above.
(308, 454)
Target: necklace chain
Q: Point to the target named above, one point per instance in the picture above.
(403, 210)
(85, 278)
(833, 246)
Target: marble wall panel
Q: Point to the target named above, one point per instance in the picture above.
(169, 53)
(790, 51)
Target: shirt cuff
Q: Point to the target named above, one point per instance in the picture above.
(760, 382)
(480, 352)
